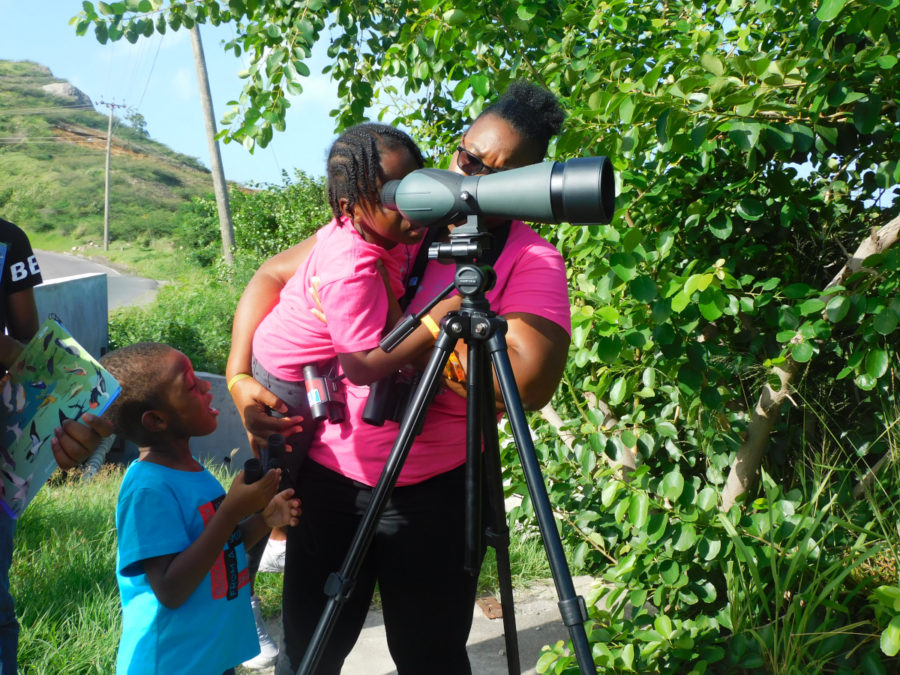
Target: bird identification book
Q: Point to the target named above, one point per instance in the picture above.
(53, 380)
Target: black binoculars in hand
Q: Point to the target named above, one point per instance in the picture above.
(271, 457)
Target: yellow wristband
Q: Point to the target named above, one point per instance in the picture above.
(431, 325)
(237, 378)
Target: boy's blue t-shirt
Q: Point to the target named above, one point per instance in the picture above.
(162, 511)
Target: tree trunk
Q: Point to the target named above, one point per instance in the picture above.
(746, 464)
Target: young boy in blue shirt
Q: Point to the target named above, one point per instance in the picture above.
(181, 565)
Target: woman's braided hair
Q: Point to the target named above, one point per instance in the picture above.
(531, 110)
(354, 163)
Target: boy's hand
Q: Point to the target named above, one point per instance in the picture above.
(282, 510)
(75, 440)
(245, 500)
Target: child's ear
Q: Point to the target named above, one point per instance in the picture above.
(345, 209)
(154, 421)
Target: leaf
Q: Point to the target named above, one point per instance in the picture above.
(750, 209)
(712, 63)
(643, 289)
(623, 264)
(811, 306)
(672, 485)
(867, 113)
(877, 362)
(608, 493)
(720, 226)
(618, 390)
(687, 538)
(795, 291)
(707, 499)
(829, 9)
(666, 430)
(480, 84)
(608, 349)
(890, 637)
(712, 303)
(680, 301)
(837, 308)
(689, 379)
(745, 134)
(526, 13)
(663, 625)
(626, 110)
(638, 510)
(866, 382)
(802, 352)
(455, 17)
(885, 321)
(709, 548)
(669, 571)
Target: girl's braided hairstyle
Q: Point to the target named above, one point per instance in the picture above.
(354, 163)
(531, 110)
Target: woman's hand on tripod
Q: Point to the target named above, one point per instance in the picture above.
(253, 402)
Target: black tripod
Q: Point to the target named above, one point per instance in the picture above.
(485, 334)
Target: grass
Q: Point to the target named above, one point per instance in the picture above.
(63, 575)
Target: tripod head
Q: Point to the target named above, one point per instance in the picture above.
(467, 244)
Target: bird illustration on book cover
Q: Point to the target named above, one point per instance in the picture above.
(53, 380)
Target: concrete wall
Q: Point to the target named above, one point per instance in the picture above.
(80, 302)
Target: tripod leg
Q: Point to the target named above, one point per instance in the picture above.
(571, 606)
(475, 424)
(497, 530)
(340, 583)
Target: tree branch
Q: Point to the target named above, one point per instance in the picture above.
(746, 464)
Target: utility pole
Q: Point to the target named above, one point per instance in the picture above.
(112, 106)
(215, 159)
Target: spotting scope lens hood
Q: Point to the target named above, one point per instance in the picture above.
(580, 191)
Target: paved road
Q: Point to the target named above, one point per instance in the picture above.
(123, 290)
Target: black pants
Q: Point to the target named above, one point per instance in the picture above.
(416, 557)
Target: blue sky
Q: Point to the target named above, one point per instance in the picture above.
(156, 76)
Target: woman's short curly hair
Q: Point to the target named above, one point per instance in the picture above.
(136, 368)
(531, 110)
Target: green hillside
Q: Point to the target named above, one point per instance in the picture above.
(52, 165)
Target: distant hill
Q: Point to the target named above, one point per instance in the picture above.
(53, 158)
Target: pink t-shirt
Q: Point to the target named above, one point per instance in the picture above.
(531, 278)
(353, 297)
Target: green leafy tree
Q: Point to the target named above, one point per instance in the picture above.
(137, 122)
(723, 328)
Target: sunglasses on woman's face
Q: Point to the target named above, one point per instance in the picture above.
(471, 164)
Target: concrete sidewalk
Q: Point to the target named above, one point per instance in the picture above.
(537, 623)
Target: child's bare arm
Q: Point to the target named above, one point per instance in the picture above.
(175, 576)
(366, 367)
(9, 351)
(282, 510)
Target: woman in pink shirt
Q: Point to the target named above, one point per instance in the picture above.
(416, 554)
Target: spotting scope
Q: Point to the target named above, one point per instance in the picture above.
(579, 191)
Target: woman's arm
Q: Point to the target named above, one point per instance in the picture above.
(257, 300)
